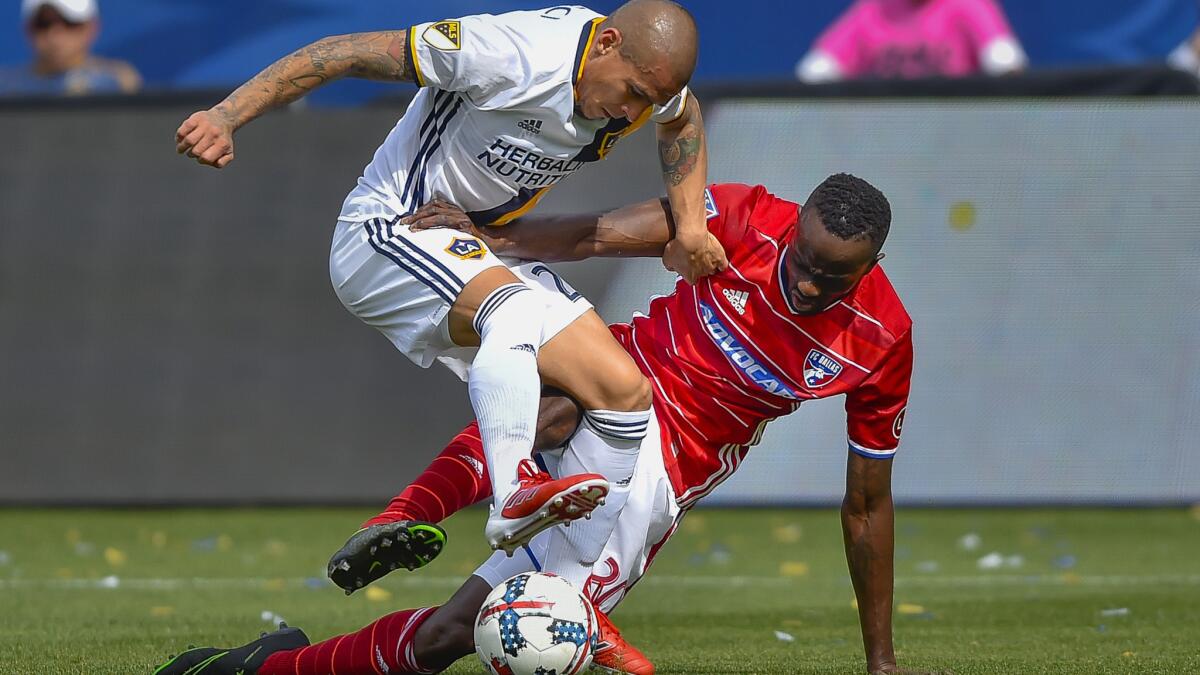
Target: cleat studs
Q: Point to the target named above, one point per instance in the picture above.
(374, 549)
(587, 516)
(600, 501)
(386, 542)
(358, 583)
(558, 501)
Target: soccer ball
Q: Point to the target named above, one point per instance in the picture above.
(535, 624)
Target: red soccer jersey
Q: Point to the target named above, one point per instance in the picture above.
(728, 354)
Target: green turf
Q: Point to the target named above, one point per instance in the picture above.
(713, 603)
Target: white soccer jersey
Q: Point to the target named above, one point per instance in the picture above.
(494, 125)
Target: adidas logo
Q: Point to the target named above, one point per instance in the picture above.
(737, 299)
(475, 464)
(532, 126)
(524, 347)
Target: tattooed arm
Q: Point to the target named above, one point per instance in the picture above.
(207, 136)
(868, 532)
(693, 253)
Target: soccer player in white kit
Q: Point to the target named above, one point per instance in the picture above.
(509, 105)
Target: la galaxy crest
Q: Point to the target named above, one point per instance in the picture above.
(820, 369)
(466, 248)
(444, 35)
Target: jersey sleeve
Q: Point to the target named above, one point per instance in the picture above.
(875, 410)
(479, 56)
(671, 110)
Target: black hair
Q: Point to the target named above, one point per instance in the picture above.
(850, 208)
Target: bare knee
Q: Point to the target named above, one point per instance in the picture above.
(558, 417)
(443, 639)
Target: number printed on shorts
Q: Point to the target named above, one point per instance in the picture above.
(563, 286)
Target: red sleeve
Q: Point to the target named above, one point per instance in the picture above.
(727, 207)
(875, 410)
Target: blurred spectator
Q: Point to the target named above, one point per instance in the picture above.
(1187, 55)
(62, 33)
(914, 38)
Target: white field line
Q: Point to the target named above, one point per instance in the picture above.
(269, 583)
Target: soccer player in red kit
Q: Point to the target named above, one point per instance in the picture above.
(802, 312)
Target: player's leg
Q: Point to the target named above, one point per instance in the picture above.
(409, 286)
(582, 358)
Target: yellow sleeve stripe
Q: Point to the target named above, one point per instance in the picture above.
(509, 217)
(412, 55)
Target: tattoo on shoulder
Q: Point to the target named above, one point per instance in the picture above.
(679, 157)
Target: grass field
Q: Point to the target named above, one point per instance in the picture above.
(1094, 591)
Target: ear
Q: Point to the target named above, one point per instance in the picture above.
(609, 39)
(873, 263)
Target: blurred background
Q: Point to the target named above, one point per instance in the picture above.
(168, 334)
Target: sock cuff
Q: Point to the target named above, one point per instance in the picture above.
(492, 302)
(405, 649)
(618, 425)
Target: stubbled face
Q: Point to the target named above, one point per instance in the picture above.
(58, 43)
(613, 86)
(821, 268)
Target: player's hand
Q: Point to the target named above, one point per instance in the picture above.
(439, 214)
(694, 259)
(206, 137)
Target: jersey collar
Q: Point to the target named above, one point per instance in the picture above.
(585, 43)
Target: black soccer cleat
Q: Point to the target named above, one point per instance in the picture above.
(376, 550)
(244, 660)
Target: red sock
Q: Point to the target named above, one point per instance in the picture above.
(385, 646)
(454, 480)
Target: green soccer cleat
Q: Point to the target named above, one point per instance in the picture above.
(244, 660)
(376, 550)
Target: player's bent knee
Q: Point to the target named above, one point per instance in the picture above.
(558, 417)
(444, 638)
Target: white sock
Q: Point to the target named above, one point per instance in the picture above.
(606, 443)
(504, 385)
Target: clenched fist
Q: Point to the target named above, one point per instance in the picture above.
(207, 137)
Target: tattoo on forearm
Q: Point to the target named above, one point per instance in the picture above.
(376, 56)
(679, 157)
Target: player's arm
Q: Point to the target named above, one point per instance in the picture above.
(682, 151)
(639, 230)
(868, 533)
(207, 135)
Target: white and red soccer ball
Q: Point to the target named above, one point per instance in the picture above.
(535, 624)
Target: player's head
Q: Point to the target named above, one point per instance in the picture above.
(61, 31)
(842, 227)
(642, 55)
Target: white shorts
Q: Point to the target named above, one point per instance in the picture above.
(647, 521)
(403, 283)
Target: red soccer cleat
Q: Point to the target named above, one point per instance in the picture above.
(541, 502)
(614, 655)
